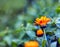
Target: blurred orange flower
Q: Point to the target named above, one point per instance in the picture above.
(42, 21)
(31, 44)
(39, 32)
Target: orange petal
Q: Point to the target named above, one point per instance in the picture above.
(37, 19)
(48, 19)
(43, 18)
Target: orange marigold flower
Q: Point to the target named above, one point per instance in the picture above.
(39, 32)
(42, 21)
(31, 44)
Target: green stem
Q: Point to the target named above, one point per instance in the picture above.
(45, 38)
(45, 35)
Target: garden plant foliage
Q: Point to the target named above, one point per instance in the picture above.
(29, 23)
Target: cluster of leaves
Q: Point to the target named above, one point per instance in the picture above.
(17, 20)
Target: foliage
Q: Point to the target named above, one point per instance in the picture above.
(17, 21)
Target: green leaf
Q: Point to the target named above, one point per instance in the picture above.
(44, 43)
(59, 40)
(14, 44)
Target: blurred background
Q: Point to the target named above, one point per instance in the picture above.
(17, 19)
